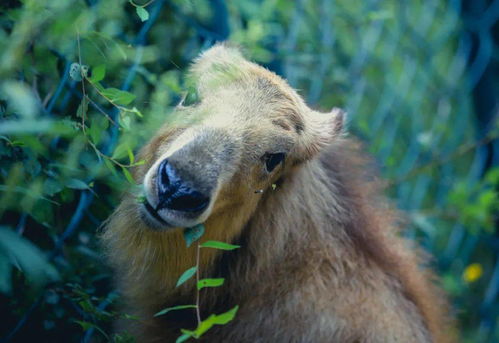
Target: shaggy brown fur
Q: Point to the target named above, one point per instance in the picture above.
(320, 258)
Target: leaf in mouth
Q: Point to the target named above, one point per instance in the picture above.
(192, 234)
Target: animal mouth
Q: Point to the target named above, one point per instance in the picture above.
(153, 213)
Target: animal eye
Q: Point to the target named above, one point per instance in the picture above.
(273, 160)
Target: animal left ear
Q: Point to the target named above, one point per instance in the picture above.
(322, 130)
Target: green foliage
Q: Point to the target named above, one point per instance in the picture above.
(210, 283)
(117, 96)
(142, 13)
(98, 73)
(192, 234)
(219, 245)
(174, 308)
(97, 315)
(186, 275)
(208, 323)
(476, 206)
(17, 252)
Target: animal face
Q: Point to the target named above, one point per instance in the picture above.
(239, 130)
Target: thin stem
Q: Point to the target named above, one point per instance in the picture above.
(121, 108)
(198, 315)
(461, 150)
(144, 5)
(85, 97)
(101, 111)
(82, 80)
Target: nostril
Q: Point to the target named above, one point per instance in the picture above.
(174, 194)
(162, 178)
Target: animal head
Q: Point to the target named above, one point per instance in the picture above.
(245, 129)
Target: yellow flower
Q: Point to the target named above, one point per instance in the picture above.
(473, 272)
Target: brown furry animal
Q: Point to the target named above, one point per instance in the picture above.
(320, 258)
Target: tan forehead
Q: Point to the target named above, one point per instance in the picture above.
(259, 90)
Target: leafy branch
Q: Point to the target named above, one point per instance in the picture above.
(116, 97)
(192, 235)
(141, 9)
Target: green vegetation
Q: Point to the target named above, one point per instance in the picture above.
(191, 235)
(83, 84)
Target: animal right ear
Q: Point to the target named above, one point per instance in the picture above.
(322, 129)
(337, 121)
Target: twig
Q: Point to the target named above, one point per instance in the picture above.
(144, 5)
(461, 150)
(82, 80)
(198, 314)
(86, 98)
(97, 107)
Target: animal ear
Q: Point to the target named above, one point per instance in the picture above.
(322, 130)
(337, 121)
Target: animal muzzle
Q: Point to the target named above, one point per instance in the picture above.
(177, 194)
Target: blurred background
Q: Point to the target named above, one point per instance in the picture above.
(419, 80)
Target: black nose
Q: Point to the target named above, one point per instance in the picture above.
(174, 194)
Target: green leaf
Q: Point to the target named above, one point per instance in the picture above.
(215, 319)
(76, 184)
(192, 234)
(128, 176)
(219, 245)
(174, 308)
(21, 97)
(186, 276)
(17, 251)
(125, 122)
(120, 151)
(84, 325)
(98, 128)
(131, 157)
(51, 187)
(82, 110)
(142, 13)
(184, 337)
(210, 283)
(133, 110)
(136, 111)
(118, 96)
(26, 126)
(110, 165)
(224, 318)
(98, 73)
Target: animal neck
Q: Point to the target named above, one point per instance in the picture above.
(326, 214)
(299, 224)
